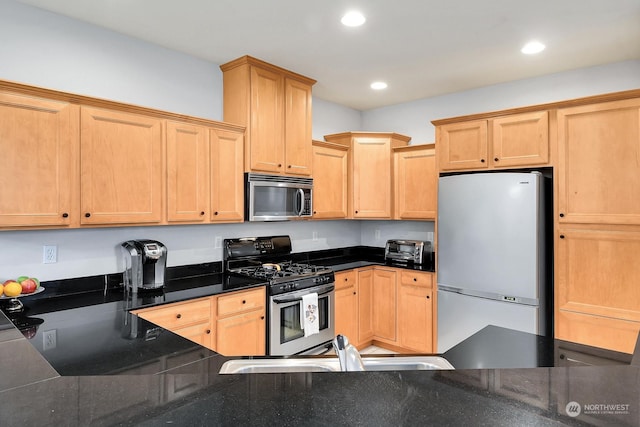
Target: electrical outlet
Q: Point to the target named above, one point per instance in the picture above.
(377, 234)
(314, 236)
(49, 254)
(49, 340)
(218, 242)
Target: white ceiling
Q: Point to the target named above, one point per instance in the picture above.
(422, 48)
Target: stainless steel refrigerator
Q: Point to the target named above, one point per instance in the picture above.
(493, 260)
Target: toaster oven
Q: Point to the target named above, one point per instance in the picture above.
(408, 251)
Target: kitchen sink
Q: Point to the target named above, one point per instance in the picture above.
(331, 364)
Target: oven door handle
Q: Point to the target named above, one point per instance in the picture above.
(286, 300)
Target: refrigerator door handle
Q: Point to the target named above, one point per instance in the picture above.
(490, 295)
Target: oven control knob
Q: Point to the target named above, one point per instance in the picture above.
(287, 287)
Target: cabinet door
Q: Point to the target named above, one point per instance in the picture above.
(242, 335)
(297, 122)
(598, 166)
(416, 183)
(267, 115)
(520, 140)
(347, 314)
(39, 145)
(365, 306)
(371, 177)
(227, 176)
(462, 145)
(202, 334)
(187, 172)
(121, 167)
(384, 304)
(415, 314)
(330, 181)
(597, 293)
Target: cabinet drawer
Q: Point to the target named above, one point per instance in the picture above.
(177, 315)
(239, 302)
(345, 279)
(416, 279)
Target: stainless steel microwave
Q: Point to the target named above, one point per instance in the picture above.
(277, 197)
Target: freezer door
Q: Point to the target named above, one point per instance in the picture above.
(490, 233)
(460, 316)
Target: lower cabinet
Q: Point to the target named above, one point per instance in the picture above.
(232, 324)
(390, 307)
(241, 325)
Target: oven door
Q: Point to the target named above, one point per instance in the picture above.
(286, 336)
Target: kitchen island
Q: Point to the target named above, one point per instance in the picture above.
(107, 367)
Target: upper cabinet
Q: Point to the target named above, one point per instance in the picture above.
(511, 141)
(599, 163)
(275, 106)
(371, 168)
(227, 176)
(330, 180)
(415, 181)
(39, 145)
(121, 167)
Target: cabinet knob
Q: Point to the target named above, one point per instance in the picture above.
(415, 279)
(201, 213)
(354, 292)
(561, 215)
(244, 301)
(314, 212)
(87, 215)
(178, 316)
(289, 166)
(346, 279)
(496, 159)
(215, 213)
(261, 317)
(65, 215)
(428, 297)
(279, 165)
(356, 211)
(562, 236)
(481, 160)
(208, 331)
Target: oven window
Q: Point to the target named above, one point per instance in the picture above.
(274, 201)
(290, 325)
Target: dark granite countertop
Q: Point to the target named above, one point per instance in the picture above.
(107, 367)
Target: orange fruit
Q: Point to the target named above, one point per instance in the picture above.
(1, 289)
(12, 289)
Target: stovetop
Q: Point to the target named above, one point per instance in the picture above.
(282, 271)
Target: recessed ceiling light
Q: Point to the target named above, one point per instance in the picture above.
(532, 48)
(378, 85)
(353, 19)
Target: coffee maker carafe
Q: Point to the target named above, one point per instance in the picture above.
(145, 263)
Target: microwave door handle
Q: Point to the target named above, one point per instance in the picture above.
(301, 199)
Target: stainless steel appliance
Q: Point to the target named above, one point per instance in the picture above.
(145, 264)
(270, 259)
(408, 251)
(277, 198)
(493, 266)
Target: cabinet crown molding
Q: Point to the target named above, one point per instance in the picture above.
(250, 60)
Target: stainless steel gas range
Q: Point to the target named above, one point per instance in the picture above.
(270, 258)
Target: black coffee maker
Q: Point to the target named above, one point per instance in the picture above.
(145, 264)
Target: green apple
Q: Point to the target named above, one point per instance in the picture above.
(21, 279)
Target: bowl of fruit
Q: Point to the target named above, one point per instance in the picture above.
(13, 289)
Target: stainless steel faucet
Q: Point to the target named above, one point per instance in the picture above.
(348, 355)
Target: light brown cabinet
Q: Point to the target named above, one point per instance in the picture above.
(191, 319)
(346, 305)
(415, 181)
(415, 311)
(365, 306)
(371, 171)
(512, 141)
(227, 176)
(39, 145)
(275, 106)
(330, 180)
(385, 304)
(241, 325)
(121, 167)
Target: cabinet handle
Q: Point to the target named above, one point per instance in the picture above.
(215, 213)
(314, 212)
(354, 292)
(562, 236)
(87, 215)
(356, 211)
(208, 331)
(178, 316)
(65, 215)
(289, 166)
(481, 160)
(261, 317)
(496, 159)
(279, 165)
(346, 279)
(428, 297)
(244, 301)
(201, 213)
(561, 215)
(415, 279)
